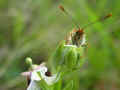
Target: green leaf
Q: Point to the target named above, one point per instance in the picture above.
(70, 57)
(69, 86)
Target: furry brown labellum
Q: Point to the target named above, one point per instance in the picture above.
(62, 8)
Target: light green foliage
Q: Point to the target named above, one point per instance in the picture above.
(69, 86)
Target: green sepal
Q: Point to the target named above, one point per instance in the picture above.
(70, 57)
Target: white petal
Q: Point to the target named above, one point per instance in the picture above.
(35, 76)
(26, 73)
(52, 79)
(83, 40)
(42, 71)
(70, 45)
(49, 80)
(33, 86)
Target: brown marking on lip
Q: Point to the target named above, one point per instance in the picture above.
(48, 73)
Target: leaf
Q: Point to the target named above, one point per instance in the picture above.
(70, 57)
(69, 86)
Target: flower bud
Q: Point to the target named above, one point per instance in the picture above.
(29, 61)
(67, 57)
(57, 57)
(70, 57)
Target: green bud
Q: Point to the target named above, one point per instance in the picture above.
(67, 57)
(81, 58)
(70, 57)
(29, 61)
(56, 59)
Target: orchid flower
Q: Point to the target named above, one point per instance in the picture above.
(39, 73)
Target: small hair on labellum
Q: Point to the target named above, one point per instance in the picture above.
(98, 20)
(62, 8)
(69, 15)
(107, 16)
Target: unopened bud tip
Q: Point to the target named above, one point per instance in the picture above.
(29, 61)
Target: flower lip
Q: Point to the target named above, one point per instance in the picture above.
(45, 74)
(48, 73)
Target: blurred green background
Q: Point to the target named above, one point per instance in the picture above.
(35, 27)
